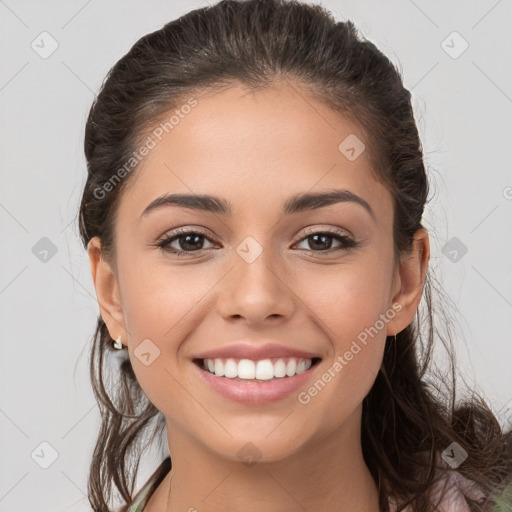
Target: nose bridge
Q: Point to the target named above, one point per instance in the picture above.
(255, 287)
(255, 268)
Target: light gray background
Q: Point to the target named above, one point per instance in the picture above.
(48, 309)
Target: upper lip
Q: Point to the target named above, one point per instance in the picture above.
(255, 352)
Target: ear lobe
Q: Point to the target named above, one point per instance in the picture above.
(107, 290)
(412, 273)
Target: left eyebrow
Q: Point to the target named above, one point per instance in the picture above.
(295, 204)
(302, 202)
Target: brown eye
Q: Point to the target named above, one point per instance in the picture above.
(187, 242)
(321, 241)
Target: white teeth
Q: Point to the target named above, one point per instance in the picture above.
(246, 369)
(264, 369)
(219, 368)
(279, 368)
(291, 367)
(231, 369)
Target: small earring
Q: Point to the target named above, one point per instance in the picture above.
(118, 344)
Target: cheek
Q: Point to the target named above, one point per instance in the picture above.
(349, 298)
(351, 322)
(350, 307)
(161, 306)
(156, 297)
(358, 336)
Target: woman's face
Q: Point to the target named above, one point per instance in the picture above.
(255, 275)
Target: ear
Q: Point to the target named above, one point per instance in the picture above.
(107, 290)
(410, 278)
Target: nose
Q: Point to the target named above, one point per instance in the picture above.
(256, 291)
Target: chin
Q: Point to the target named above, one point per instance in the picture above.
(251, 447)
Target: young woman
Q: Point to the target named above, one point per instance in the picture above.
(253, 217)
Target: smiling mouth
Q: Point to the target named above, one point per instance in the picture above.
(266, 370)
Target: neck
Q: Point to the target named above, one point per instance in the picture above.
(326, 473)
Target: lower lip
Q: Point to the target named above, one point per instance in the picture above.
(252, 392)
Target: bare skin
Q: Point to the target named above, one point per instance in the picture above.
(256, 150)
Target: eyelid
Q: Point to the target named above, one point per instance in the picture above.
(182, 230)
(309, 231)
(325, 229)
(343, 236)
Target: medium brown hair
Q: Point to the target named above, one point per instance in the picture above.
(407, 419)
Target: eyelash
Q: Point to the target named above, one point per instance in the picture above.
(346, 241)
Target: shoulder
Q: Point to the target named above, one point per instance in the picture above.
(448, 493)
(455, 487)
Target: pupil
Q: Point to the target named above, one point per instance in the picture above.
(315, 237)
(187, 237)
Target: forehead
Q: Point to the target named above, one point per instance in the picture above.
(255, 147)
